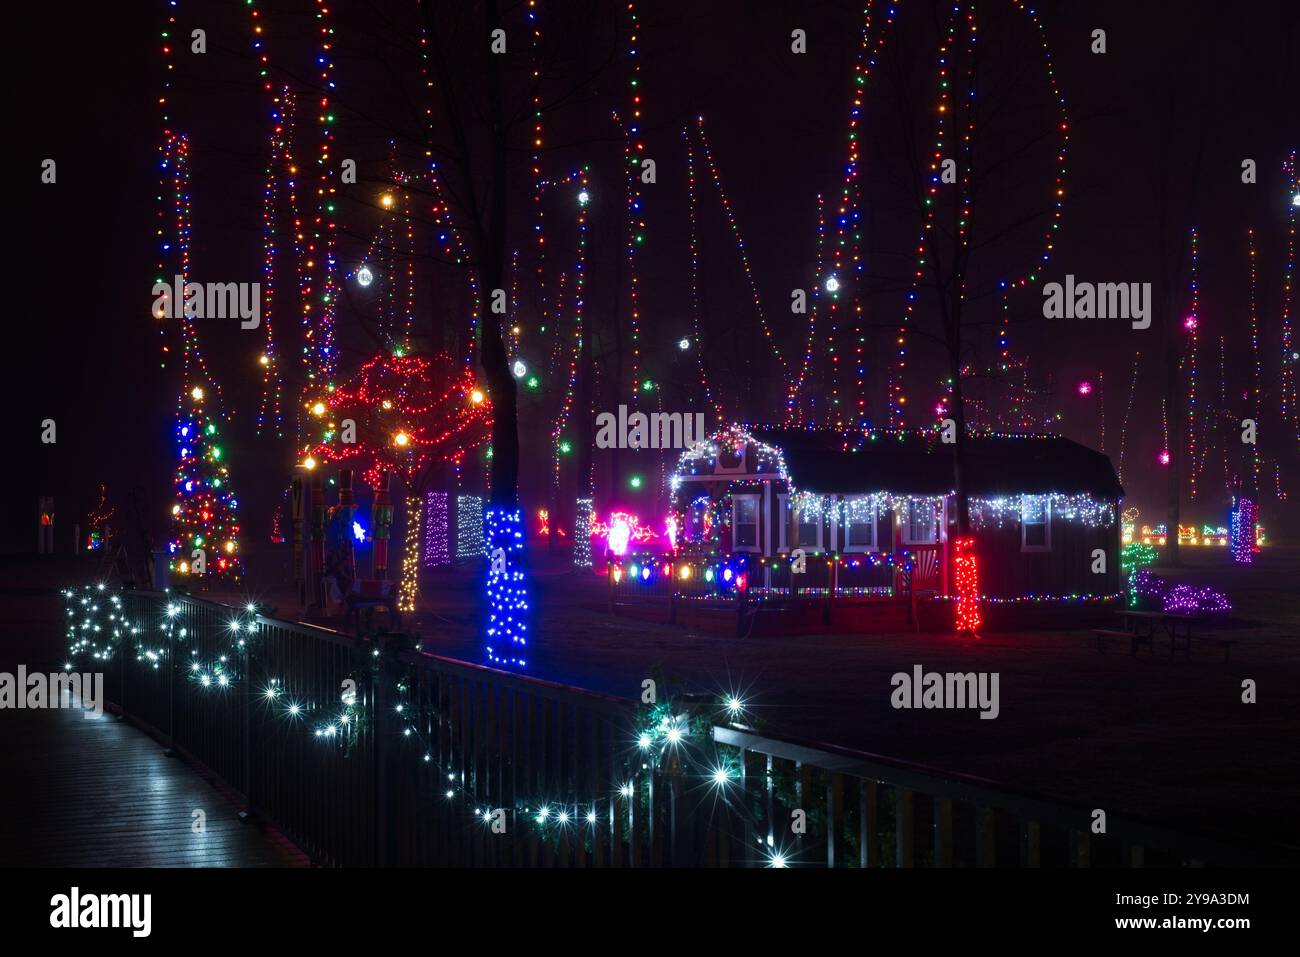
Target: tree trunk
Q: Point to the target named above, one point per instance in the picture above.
(491, 254)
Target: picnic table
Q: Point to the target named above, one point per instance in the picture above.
(1140, 627)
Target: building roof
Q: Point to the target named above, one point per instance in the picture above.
(839, 464)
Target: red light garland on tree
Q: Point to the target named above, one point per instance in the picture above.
(410, 412)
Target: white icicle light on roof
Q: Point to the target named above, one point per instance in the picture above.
(1070, 508)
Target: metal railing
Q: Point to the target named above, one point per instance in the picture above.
(873, 811)
(369, 752)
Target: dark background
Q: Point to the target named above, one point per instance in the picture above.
(84, 87)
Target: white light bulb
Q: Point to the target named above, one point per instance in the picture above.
(832, 284)
(364, 276)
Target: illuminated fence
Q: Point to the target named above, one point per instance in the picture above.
(371, 753)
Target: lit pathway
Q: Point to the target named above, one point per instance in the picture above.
(100, 793)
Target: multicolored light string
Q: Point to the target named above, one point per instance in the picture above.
(633, 154)
(734, 226)
(847, 259)
(1128, 411)
(1191, 325)
(701, 341)
(1290, 400)
(204, 517)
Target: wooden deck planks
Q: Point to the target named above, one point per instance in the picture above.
(100, 793)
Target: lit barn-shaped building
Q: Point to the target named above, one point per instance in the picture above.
(806, 513)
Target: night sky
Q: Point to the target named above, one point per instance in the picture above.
(87, 352)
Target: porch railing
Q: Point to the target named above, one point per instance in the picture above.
(745, 583)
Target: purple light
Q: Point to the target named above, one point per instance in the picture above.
(1241, 535)
(1180, 598)
(1188, 598)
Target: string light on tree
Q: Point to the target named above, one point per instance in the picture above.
(410, 581)
(966, 573)
(507, 592)
(1191, 324)
(582, 532)
(1242, 531)
(1289, 397)
(437, 529)
(469, 527)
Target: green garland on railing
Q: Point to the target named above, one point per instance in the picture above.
(672, 737)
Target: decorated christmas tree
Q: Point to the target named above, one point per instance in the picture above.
(205, 526)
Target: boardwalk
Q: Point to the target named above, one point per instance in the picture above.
(100, 793)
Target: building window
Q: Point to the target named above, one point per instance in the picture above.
(1035, 523)
(860, 525)
(783, 535)
(808, 529)
(744, 523)
(921, 522)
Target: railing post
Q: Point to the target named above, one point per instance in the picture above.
(380, 743)
(250, 800)
(747, 826)
(834, 813)
(675, 829)
(1030, 841)
(171, 689)
(943, 832)
(985, 837)
(121, 680)
(868, 804)
(903, 827)
(803, 789)
(1080, 849)
(652, 813)
(636, 853)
